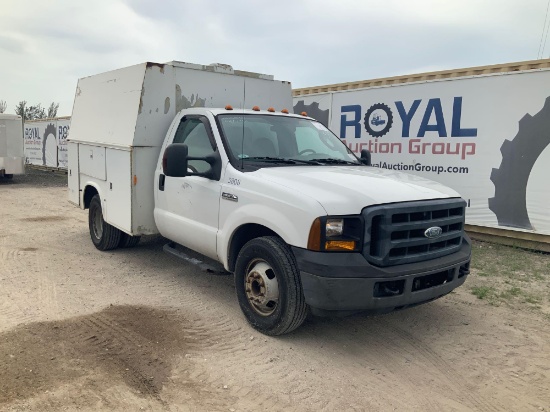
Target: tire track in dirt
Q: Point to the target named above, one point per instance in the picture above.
(253, 360)
(447, 374)
(16, 258)
(227, 339)
(116, 338)
(367, 352)
(134, 345)
(387, 345)
(367, 355)
(26, 262)
(16, 263)
(231, 345)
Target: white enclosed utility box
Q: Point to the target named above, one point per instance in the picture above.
(120, 119)
(12, 156)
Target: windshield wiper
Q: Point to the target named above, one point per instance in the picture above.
(307, 162)
(337, 161)
(270, 159)
(282, 160)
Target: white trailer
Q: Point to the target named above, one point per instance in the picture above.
(46, 142)
(120, 119)
(12, 157)
(484, 131)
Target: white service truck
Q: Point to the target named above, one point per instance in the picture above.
(277, 198)
(12, 156)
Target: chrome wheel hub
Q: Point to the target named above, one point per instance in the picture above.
(261, 287)
(97, 224)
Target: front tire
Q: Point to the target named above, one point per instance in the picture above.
(104, 236)
(268, 286)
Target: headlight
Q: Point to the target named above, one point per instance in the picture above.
(336, 234)
(334, 227)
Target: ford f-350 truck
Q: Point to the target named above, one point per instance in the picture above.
(278, 199)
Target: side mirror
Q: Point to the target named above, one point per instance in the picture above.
(365, 157)
(175, 162)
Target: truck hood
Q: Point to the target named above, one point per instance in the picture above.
(345, 190)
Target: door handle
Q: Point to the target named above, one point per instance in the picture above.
(161, 182)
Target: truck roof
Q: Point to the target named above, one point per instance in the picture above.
(213, 68)
(217, 111)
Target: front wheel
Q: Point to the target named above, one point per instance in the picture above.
(268, 286)
(104, 236)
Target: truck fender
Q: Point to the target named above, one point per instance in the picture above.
(90, 189)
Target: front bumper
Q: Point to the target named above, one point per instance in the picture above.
(347, 282)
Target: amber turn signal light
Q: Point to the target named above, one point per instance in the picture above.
(314, 240)
(340, 245)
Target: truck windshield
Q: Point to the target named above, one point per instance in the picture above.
(269, 138)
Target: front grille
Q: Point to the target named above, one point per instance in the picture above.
(395, 233)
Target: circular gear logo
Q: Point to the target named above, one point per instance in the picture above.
(378, 120)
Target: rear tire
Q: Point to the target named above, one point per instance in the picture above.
(128, 241)
(268, 286)
(104, 236)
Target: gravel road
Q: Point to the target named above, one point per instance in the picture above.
(136, 329)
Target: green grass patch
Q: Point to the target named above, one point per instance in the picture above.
(511, 276)
(532, 299)
(510, 293)
(482, 292)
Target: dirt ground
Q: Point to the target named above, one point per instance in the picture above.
(136, 329)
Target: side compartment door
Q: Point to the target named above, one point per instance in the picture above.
(74, 173)
(187, 208)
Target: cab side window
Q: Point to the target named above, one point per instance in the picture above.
(192, 132)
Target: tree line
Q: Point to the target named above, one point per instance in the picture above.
(34, 112)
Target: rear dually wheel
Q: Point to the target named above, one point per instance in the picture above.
(104, 236)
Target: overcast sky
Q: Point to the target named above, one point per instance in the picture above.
(46, 46)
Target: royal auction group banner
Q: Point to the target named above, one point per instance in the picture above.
(46, 142)
(485, 136)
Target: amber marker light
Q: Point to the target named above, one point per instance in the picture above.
(285, 111)
(256, 108)
(135, 178)
(340, 245)
(304, 113)
(314, 240)
(228, 107)
(271, 109)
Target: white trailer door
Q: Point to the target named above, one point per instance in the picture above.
(187, 208)
(73, 173)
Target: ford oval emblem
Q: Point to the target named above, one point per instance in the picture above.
(433, 232)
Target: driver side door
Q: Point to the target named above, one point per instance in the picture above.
(187, 208)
